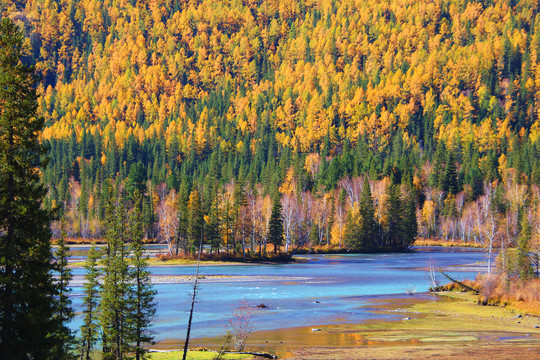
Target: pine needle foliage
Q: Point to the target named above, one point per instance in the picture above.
(31, 319)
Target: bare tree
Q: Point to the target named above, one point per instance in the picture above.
(379, 198)
(353, 188)
(486, 223)
(340, 218)
(288, 204)
(240, 326)
(193, 297)
(320, 213)
(167, 212)
(304, 220)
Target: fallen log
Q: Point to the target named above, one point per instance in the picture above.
(264, 355)
(476, 291)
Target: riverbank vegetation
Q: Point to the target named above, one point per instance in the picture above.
(502, 290)
(224, 257)
(514, 284)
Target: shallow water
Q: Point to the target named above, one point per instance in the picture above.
(325, 289)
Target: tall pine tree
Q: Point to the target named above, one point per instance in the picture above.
(367, 212)
(394, 230)
(115, 289)
(90, 329)
(410, 223)
(64, 348)
(142, 307)
(28, 313)
(275, 226)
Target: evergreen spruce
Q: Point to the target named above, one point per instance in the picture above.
(64, 349)
(275, 226)
(89, 329)
(196, 218)
(449, 181)
(352, 236)
(183, 223)
(394, 229)
(142, 307)
(115, 288)
(524, 264)
(435, 178)
(410, 222)
(367, 220)
(213, 227)
(28, 311)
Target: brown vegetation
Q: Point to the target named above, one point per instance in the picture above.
(230, 257)
(503, 290)
(443, 242)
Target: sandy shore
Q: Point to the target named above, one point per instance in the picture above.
(78, 280)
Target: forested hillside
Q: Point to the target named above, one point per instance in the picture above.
(230, 103)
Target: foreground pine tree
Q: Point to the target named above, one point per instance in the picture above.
(29, 326)
(89, 329)
(114, 306)
(142, 307)
(64, 349)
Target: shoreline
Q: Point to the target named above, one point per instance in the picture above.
(445, 325)
(78, 280)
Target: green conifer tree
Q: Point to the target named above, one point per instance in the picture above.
(410, 222)
(142, 306)
(89, 329)
(275, 226)
(449, 181)
(353, 232)
(115, 288)
(28, 312)
(196, 218)
(367, 220)
(435, 178)
(64, 349)
(394, 230)
(524, 264)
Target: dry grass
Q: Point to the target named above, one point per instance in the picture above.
(510, 292)
(501, 290)
(442, 242)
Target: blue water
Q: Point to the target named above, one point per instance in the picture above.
(331, 288)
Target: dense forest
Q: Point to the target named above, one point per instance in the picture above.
(216, 110)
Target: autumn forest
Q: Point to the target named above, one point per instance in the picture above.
(366, 124)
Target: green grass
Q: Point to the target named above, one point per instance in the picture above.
(195, 355)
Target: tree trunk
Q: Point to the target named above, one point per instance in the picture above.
(193, 300)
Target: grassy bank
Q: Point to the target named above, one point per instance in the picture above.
(451, 326)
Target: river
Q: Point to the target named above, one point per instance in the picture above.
(318, 290)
